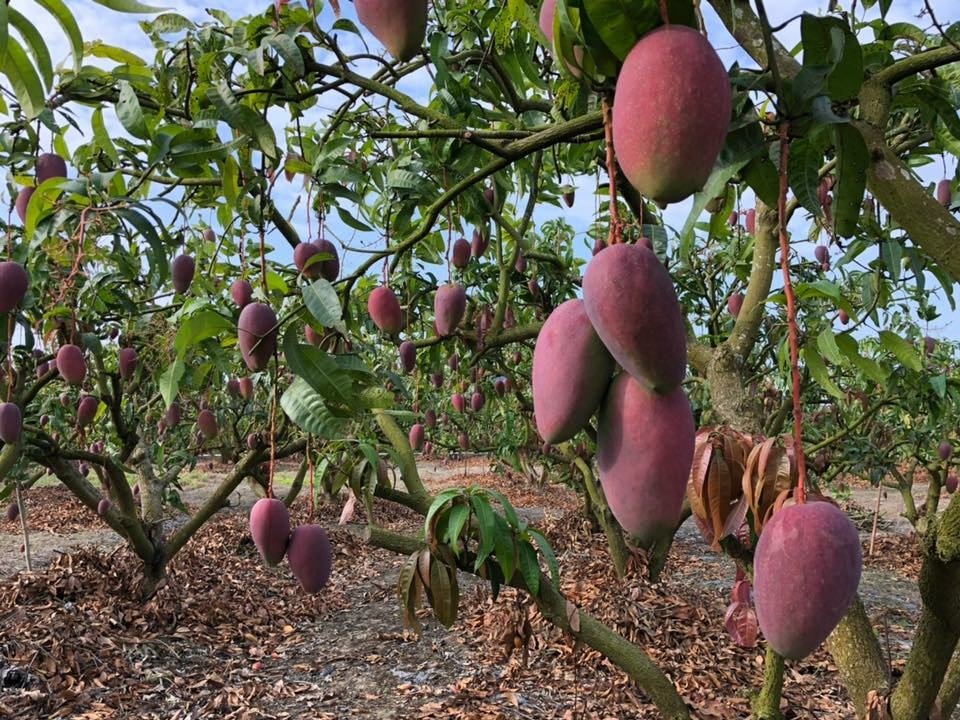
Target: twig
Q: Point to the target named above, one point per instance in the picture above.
(21, 506)
(876, 517)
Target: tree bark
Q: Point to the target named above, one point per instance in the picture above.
(858, 656)
(766, 704)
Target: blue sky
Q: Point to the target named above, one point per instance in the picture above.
(123, 31)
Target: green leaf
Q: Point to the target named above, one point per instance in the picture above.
(827, 344)
(101, 49)
(853, 158)
(130, 113)
(243, 118)
(69, 25)
(550, 556)
(102, 137)
(901, 349)
(287, 49)
(199, 327)
(129, 6)
(439, 502)
(818, 371)
(505, 547)
(806, 157)
(35, 43)
(319, 370)
(939, 385)
(508, 509)
(761, 175)
(715, 186)
(308, 411)
(323, 303)
(486, 524)
(530, 567)
(830, 46)
(4, 30)
(169, 381)
(24, 79)
(870, 368)
(458, 518)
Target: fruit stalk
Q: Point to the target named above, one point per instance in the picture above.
(791, 315)
(614, 236)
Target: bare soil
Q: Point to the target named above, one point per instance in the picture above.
(228, 637)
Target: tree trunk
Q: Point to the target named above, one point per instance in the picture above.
(858, 656)
(766, 703)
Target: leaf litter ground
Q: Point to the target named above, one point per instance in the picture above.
(226, 637)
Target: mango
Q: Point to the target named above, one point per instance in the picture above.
(401, 25)
(449, 305)
(629, 297)
(645, 445)
(257, 335)
(310, 556)
(571, 372)
(70, 363)
(13, 285)
(671, 113)
(806, 571)
(384, 309)
(270, 529)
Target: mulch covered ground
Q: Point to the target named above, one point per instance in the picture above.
(228, 637)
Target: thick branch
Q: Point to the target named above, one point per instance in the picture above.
(561, 612)
(747, 326)
(419, 496)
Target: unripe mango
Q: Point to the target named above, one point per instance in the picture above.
(461, 253)
(479, 243)
(401, 25)
(23, 199)
(257, 335)
(173, 415)
(329, 268)
(127, 362)
(477, 401)
(944, 193)
(644, 452)
(270, 529)
(430, 418)
(629, 297)
(182, 270)
(310, 556)
(50, 165)
(70, 363)
(242, 293)
(806, 571)
(458, 402)
(464, 441)
(384, 309)
(11, 422)
(416, 437)
(246, 388)
(87, 410)
(207, 422)
(571, 372)
(408, 356)
(103, 507)
(233, 387)
(13, 285)
(449, 305)
(671, 113)
(735, 304)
